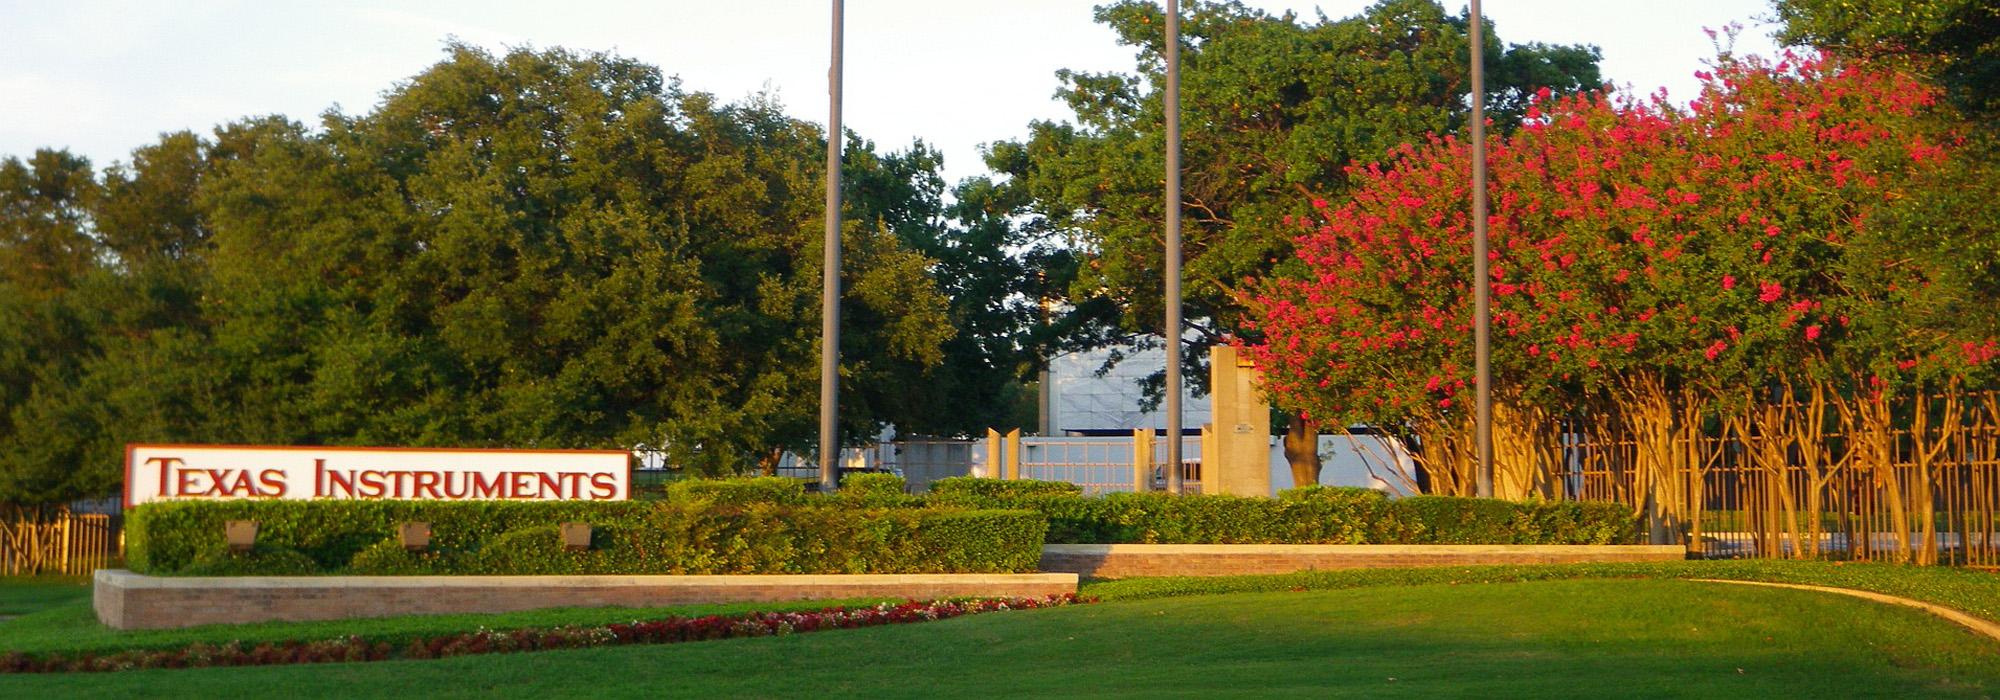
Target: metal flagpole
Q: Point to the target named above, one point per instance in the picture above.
(1173, 272)
(1481, 284)
(829, 295)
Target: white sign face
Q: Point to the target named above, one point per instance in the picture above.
(185, 472)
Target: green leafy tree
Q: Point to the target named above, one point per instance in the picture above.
(531, 249)
(1273, 110)
(47, 253)
(1956, 41)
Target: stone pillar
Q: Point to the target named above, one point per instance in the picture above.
(993, 456)
(1142, 460)
(1014, 454)
(1241, 462)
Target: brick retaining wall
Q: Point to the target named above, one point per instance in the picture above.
(1128, 560)
(125, 600)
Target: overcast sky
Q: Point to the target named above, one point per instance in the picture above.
(104, 77)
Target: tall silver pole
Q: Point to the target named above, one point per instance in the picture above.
(1173, 274)
(829, 294)
(1481, 305)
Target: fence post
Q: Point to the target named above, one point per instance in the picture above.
(1142, 459)
(1208, 453)
(1013, 454)
(65, 520)
(993, 465)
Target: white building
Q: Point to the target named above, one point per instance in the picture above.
(1084, 403)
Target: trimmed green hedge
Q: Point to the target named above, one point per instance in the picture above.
(736, 492)
(967, 489)
(1305, 515)
(628, 537)
(1310, 515)
(262, 560)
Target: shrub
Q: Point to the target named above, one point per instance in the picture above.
(627, 537)
(1318, 492)
(737, 492)
(971, 490)
(389, 558)
(538, 551)
(164, 537)
(262, 560)
(1455, 520)
(876, 490)
(1308, 515)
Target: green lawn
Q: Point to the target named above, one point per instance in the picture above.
(1519, 630)
(20, 595)
(72, 626)
(1629, 637)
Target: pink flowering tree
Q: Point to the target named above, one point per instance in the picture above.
(1648, 261)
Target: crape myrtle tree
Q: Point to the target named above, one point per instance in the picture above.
(541, 248)
(1273, 109)
(1954, 42)
(1790, 236)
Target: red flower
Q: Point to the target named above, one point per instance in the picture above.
(1770, 291)
(1728, 281)
(1715, 350)
(1812, 332)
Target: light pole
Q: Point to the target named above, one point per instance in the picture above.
(829, 293)
(1481, 303)
(1173, 273)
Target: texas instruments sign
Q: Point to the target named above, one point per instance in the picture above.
(180, 472)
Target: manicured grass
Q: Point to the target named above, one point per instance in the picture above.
(1973, 591)
(73, 626)
(20, 595)
(1604, 638)
(55, 614)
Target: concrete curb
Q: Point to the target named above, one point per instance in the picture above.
(1978, 625)
(125, 600)
(1129, 560)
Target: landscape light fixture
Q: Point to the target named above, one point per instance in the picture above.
(575, 537)
(416, 536)
(240, 534)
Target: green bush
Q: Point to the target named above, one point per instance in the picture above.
(1318, 492)
(972, 490)
(261, 560)
(627, 537)
(164, 537)
(389, 558)
(739, 492)
(538, 551)
(1309, 515)
(1452, 520)
(876, 490)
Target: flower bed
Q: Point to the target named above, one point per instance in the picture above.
(484, 641)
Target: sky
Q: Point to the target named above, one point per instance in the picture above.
(102, 78)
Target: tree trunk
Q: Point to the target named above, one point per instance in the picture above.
(1302, 449)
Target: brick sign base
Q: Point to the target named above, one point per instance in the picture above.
(1130, 560)
(125, 600)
